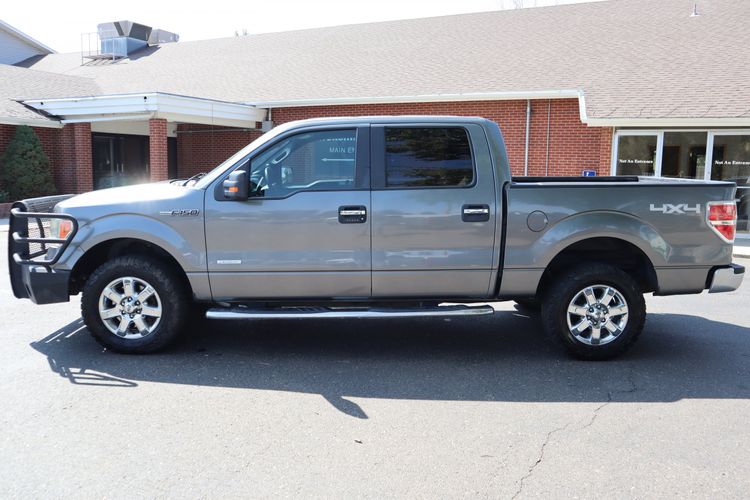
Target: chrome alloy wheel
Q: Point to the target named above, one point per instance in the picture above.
(597, 315)
(130, 308)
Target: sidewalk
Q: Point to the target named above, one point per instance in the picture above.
(4, 225)
(742, 247)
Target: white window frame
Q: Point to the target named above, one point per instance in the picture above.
(710, 134)
(638, 132)
(710, 145)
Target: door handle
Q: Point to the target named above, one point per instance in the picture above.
(356, 214)
(475, 213)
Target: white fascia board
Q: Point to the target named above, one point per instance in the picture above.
(94, 106)
(111, 118)
(31, 122)
(669, 122)
(168, 106)
(26, 38)
(470, 96)
(208, 109)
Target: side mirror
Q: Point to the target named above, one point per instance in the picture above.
(235, 186)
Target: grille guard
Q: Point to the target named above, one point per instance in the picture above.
(27, 228)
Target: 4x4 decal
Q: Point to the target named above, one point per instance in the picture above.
(680, 208)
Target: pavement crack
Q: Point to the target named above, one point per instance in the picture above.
(539, 459)
(610, 397)
(594, 414)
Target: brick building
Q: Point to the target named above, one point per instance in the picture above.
(617, 87)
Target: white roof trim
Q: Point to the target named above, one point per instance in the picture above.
(112, 118)
(31, 122)
(26, 38)
(669, 122)
(175, 108)
(469, 96)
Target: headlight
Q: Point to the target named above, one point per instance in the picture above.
(60, 228)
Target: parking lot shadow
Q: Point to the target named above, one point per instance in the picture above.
(504, 357)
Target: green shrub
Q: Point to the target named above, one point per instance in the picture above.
(4, 197)
(25, 170)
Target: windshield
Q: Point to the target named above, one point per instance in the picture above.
(207, 179)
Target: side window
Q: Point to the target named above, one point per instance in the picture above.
(309, 161)
(428, 157)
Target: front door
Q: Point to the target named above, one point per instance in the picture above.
(305, 230)
(433, 211)
(119, 159)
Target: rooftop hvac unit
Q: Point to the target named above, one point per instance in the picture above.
(118, 39)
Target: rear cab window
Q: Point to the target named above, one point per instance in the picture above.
(416, 157)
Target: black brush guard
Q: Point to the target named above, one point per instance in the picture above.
(29, 239)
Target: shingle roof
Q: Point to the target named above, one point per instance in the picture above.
(631, 59)
(18, 84)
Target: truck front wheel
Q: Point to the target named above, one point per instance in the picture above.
(134, 304)
(596, 310)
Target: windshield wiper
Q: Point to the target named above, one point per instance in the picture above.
(193, 178)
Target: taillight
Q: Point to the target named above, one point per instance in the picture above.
(722, 218)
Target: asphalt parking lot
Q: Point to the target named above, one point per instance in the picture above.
(419, 408)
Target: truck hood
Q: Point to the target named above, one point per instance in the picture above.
(141, 198)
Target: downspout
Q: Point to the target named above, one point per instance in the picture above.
(546, 161)
(526, 145)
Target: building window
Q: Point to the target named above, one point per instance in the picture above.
(684, 155)
(636, 155)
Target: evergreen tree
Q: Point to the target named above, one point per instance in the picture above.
(25, 170)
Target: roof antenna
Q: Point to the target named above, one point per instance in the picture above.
(695, 10)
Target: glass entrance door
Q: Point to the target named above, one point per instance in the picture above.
(119, 159)
(684, 155)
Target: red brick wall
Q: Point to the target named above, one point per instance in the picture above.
(157, 149)
(69, 152)
(202, 147)
(74, 173)
(573, 146)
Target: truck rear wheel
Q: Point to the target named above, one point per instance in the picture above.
(596, 310)
(134, 304)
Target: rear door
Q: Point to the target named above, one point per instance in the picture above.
(305, 230)
(433, 210)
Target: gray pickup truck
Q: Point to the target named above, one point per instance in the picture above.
(375, 217)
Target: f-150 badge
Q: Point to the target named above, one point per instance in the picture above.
(681, 208)
(183, 212)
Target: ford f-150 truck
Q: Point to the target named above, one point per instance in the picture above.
(375, 217)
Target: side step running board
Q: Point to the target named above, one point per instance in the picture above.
(323, 312)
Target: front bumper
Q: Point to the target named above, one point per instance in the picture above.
(44, 286)
(726, 279)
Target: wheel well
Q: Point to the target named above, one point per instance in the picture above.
(613, 251)
(101, 253)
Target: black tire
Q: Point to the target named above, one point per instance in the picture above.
(567, 285)
(173, 297)
(531, 305)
